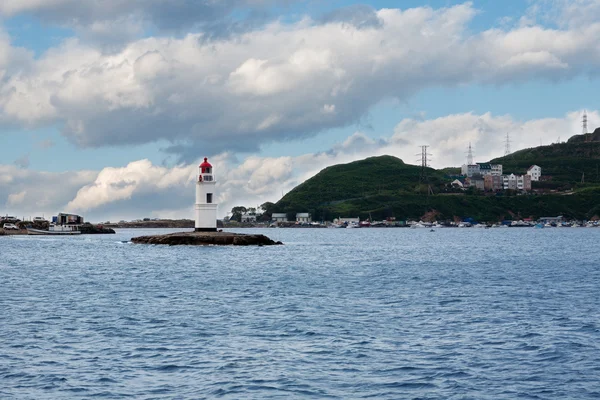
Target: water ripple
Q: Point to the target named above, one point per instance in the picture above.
(368, 313)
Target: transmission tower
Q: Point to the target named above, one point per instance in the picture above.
(470, 155)
(584, 126)
(424, 165)
(507, 145)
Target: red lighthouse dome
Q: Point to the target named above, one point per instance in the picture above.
(205, 167)
(205, 164)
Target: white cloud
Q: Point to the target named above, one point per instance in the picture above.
(279, 82)
(141, 188)
(25, 192)
(113, 21)
(15, 199)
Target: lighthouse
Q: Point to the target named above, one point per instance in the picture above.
(206, 208)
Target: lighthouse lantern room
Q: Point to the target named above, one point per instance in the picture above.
(206, 208)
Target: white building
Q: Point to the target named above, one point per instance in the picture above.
(482, 169)
(457, 184)
(470, 170)
(496, 169)
(279, 217)
(206, 208)
(303, 217)
(246, 217)
(535, 172)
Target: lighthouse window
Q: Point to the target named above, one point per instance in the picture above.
(209, 198)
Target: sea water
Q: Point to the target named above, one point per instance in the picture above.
(334, 313)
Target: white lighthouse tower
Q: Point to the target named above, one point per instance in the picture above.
(206, 208)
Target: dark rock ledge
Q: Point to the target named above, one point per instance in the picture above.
(206, 239)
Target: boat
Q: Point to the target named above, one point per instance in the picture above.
(55, 230)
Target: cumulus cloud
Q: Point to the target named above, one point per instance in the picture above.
(278, 82)
(25, 192)
(143, 189)
(113, 21)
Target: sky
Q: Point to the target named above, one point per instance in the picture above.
(108, 106)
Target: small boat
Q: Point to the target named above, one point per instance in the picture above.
(55, 230)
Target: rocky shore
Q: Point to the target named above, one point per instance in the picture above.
(207, 239)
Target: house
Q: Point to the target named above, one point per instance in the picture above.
(279, 217)
(496, 169)
(483, 169)
(492, 183)
(516, 182)
(247, 217)
(457, 184)
(470, 170)
(535, 172)
(477, 183)
(303, 217)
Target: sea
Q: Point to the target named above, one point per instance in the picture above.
(332, 314)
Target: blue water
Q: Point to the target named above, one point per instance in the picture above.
(335, 313)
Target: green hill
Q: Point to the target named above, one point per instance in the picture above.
(380, 187)
(361, 180)
(563, 164)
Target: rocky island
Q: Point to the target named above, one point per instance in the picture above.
(207, 239)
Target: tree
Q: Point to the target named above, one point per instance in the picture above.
(267, 207)
(236, 213)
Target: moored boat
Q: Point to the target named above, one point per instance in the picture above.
(55, 230)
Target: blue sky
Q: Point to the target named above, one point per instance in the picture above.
(91, 89)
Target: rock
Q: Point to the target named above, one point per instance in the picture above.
(206, 239)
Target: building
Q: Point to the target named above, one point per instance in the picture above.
(496, 169)
(279, 217)
(457, 184)
(206, 208)
(67, 219)
(527, 183)
(483, 169)
(535, 172)
(516, 182)
(493, 183)
(470, 170)
(477, 183)
(247, 217)
(303, 217)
